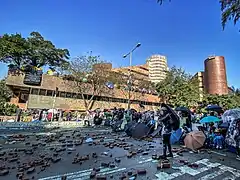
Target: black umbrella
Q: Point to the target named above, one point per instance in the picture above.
(175, 120)
(140, 130)
(214, 108)
(182, 109)
(133, 110)
(224, 125)
(129, 127)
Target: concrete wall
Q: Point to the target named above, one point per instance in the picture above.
(37, 101)
(51, 82)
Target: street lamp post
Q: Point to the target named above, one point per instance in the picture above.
(130, 69)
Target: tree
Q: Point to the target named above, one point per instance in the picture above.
(5, 95)
(235, 91)
(179, 88)
(230, 10)
(229, 101)
(88, 76)
(5, 92)
(138, 84)
(25, 54)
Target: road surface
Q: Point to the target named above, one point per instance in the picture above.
(211, 165)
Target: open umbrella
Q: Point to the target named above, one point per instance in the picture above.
(175, 136)
(182, 109)
(224, 125)
(214, 108)
(175, 120)
(194, 140)
(110, 85)
(140, 130)
(231, 115)
(210, 119)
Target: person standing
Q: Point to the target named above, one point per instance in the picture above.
(166, 132)
(237, 138)
(18, 115)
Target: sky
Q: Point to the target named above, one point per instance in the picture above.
(185, 31)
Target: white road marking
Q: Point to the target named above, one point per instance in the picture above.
(221, 154)
(84, 174)
(144, 161)
(103, 172)
(166, 176)
(212, 175)
(188, 170)
(87, 174)
(207, 163)
(231, 177)
(109, 172)
(235, 172)
(67, 174)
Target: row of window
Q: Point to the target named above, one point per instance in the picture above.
(137, 72)
(44, 92)
(157, 67)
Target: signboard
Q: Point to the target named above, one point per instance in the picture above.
(33, 78)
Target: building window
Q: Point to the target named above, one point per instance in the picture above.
(35, 91)
(98, 98)
(62, 94)
(58, 93)
(74, 95)
(42, 92)
(68, 95)
(23, 98)
(79, 96)
(49, 93)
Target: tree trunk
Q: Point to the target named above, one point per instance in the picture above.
(90, 104)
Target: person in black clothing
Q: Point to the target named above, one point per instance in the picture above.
(166, 132)
(237, 138)
(18, 115)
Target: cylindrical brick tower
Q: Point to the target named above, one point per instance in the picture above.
(215, 78)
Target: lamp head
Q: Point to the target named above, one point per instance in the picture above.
(138, 45)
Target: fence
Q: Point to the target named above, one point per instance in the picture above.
(40, 125)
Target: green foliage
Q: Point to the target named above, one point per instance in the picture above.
(179, 88)
(32, 52)
(226, 101)
(5, 95)
(7, 109)
(5, 92)
(230, 10)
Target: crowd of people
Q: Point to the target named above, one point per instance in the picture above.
(165, 119)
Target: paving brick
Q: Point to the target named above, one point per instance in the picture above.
(117, 160)
(101, 177)
(141, 171)
(104, 164)
(30, 170)
(4, 172)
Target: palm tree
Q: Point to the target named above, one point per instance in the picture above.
(230, 10)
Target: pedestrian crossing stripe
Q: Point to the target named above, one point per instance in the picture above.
(82, 175)
(182, 170)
